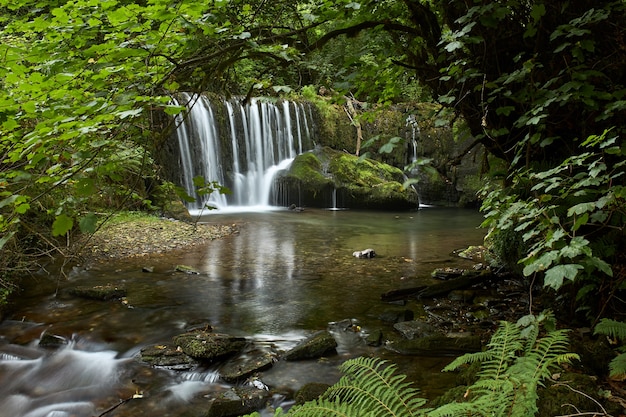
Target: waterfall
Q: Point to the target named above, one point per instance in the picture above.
(240, 146)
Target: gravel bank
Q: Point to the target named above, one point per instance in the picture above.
(147, 236)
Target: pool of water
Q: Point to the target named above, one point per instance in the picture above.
(283, 276)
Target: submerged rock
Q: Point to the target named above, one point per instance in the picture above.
(436, 345)
(320, 344)
(99, 292)
(209, 346)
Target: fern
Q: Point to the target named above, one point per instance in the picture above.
(514, 364)
(616, 330)
(369, 387)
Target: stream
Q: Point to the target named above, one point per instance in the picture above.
(282, 277)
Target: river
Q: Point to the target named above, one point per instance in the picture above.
(283, 276)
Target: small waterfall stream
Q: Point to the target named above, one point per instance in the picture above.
(240, 146)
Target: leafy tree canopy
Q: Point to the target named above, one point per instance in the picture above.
(81, 79)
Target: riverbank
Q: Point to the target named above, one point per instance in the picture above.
(137, 235)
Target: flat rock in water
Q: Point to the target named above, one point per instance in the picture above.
(209, 346)
(315, 346)
(238, 401)
(245, 365)
(415, 329)
(167, 357)
(99, 292)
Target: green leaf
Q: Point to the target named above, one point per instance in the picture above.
(85, 187)
(88, 224)
(555, 275)
(62, 224)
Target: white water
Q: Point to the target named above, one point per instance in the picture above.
(59, 384)
(264, 139)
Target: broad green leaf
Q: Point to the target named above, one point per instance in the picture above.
(62, 224)
(88, 223)
(555, 275)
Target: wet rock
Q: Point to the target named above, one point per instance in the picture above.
(436, 345)
(246, 365)
(414, 329)
(473, 253)
(320, 344)
(396, 315)
(187, 269)
(238, 401)
(374, 338)
(167, 357)
(52, 341)
(364, 254)
(310, 392)
(147, 269)
(99, 292)
(209, 346)
(447, 273)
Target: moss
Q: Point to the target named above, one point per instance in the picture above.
(307, 169)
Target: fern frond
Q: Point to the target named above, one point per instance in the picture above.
(617, 367)
(373, 389)
(611, 328)
(324, 408)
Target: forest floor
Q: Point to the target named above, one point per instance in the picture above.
(141, 235)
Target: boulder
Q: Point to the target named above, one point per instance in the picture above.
(245, 365)
(315, 346)
(310, 392)
(238, 401)
(354, 182)
(209, 346)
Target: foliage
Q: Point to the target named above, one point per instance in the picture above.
(616, 330)
(571, 221)
(369, 387)
(515, 363)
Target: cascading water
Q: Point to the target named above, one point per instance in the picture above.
(244, 152)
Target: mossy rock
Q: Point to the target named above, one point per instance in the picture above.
(168, 357)
(320, 344)
(310, 392)
(209, 346)
(99, 292)
(238, 401)
(356, 183)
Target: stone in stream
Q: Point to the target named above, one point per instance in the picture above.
(209, 346)
(364, 254)
(238, 401)
(167, 357)
(319, 344)
(415, 329)
(99, 292)
(245, 365)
